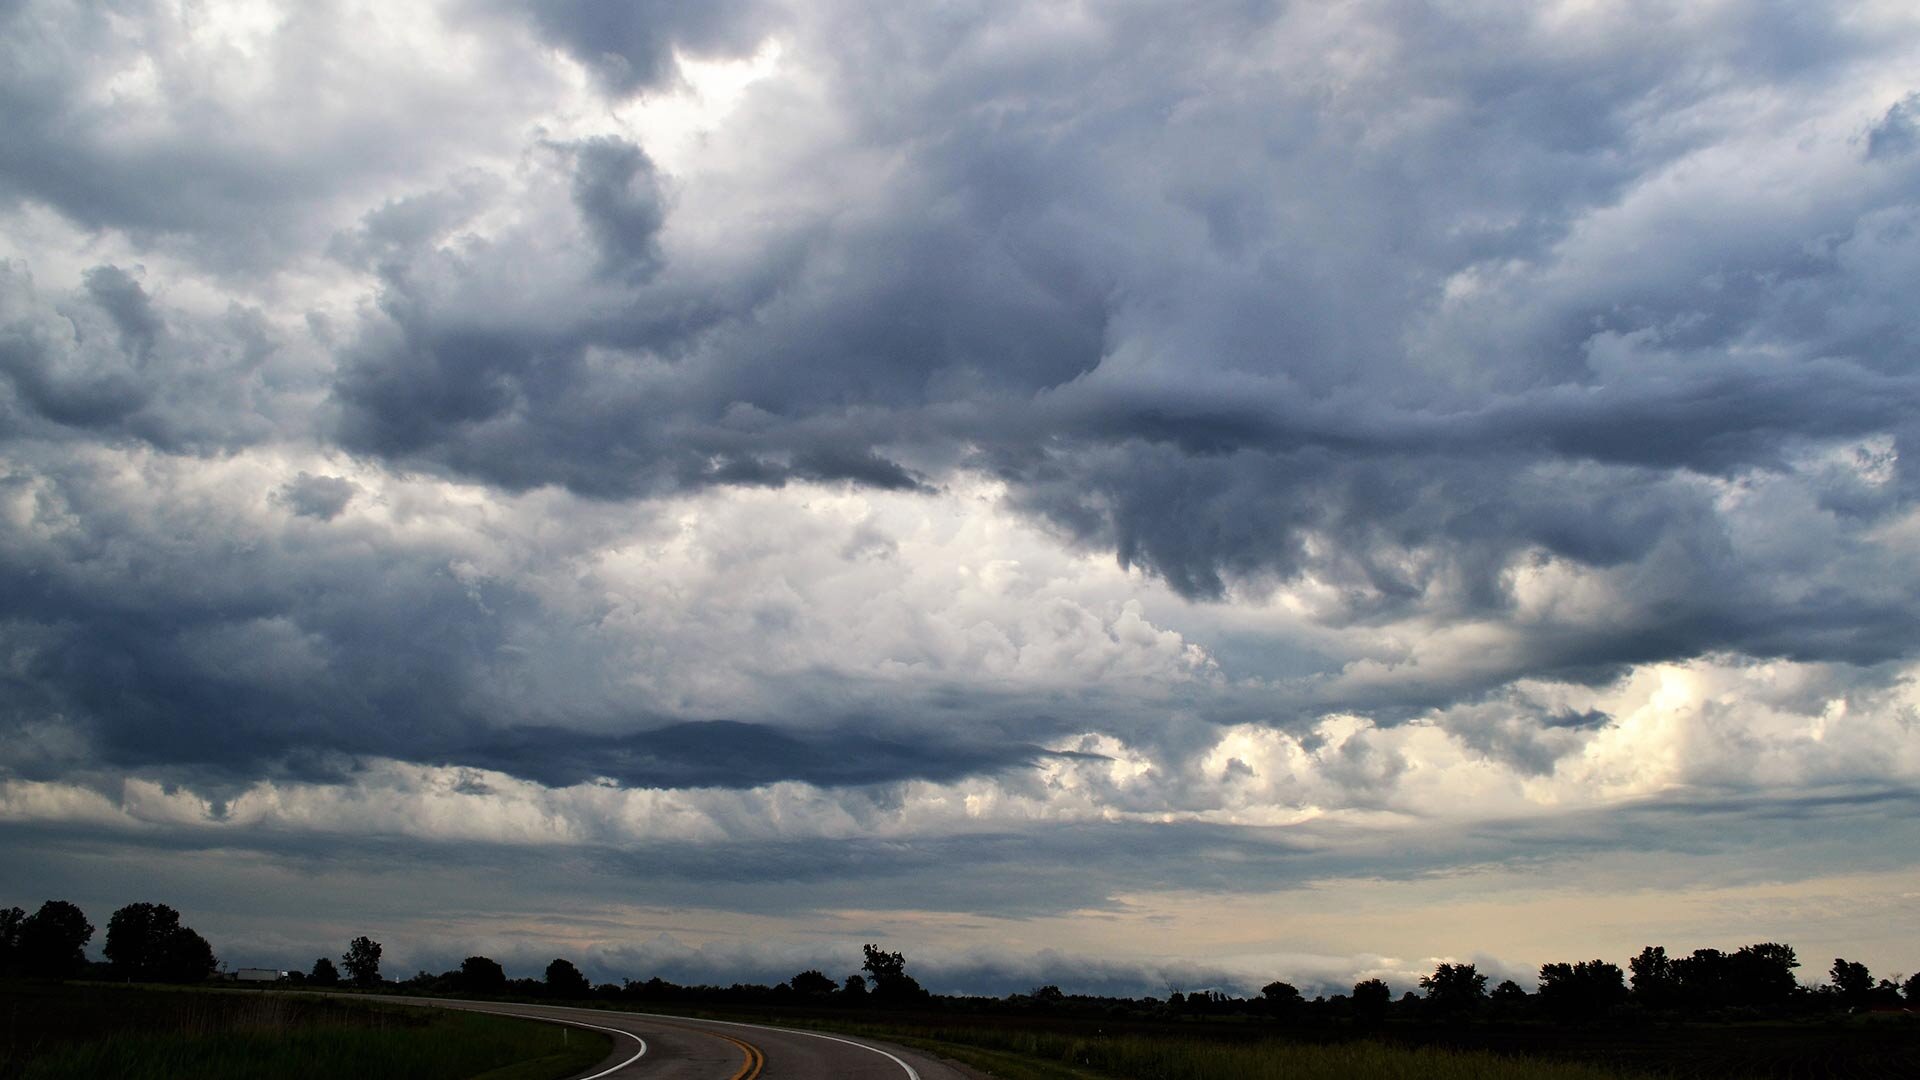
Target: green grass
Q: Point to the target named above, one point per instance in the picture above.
(147, 1035)
(1013, 1054)
(999, 1063)
(579, 1050)
(1189, 1059)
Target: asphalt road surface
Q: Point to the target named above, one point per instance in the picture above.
(650, 1046)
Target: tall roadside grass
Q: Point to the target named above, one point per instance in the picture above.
(1008, 1053)
(1185, 1059)
(140, 1034)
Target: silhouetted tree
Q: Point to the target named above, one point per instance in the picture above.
(654, 989)
(883, 965)
(189, 958)
(1455, 988)
(482, 975)
(1911, 990)
(1282, 998)
(1581, 990)
(1756, 975)
(1507, 993)
(1851, 981)
(1370, 1000)
(854, 989)
(324, 973)
(362, 961)
(53, 940)
(564, 980)
(1704, 978)
(10, 920)
(146, 942)
(891, 983)
(1655, 984)
(135, 934)
(1046, 996)
(1763, 974)
(811, 983)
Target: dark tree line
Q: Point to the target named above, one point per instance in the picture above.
(49, 944)
(147, 942)
(885, 983)
(362, 961)
(144, 943)
(1757, 979)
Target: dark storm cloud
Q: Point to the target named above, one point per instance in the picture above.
(322, 497)
(404, 224)
(814, 377)
(619, 198)
(153, 122)
(1008, 875)
(1019, 875)
(210, 671)
(717, 753)
(344, 885)
(127, 303)
(1225, 394)
(103, 361)
(299, 657)
(1898, 132)
(56, 151)
(1205, 521)
(631, 46)
(225, 675)
(48, 390)
(1202, 301)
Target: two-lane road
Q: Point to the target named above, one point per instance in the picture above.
(652, 1046)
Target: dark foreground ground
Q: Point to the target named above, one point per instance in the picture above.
(55, 1030)
(52, 1031)
(1833, 1048)
(1855, 1048)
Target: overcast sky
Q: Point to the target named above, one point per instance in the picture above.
(1126, 495)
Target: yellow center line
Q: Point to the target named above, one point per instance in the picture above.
(755, 1059)
(750, 1068)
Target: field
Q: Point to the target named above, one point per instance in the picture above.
(1035, 1056)
(1052, 1048)
(59, 1031)
(1846, 1048)
(1014, 1053)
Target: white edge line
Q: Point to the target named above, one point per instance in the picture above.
(642, 1052)
(793, 1031)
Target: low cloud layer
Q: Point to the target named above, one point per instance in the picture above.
(657, 430)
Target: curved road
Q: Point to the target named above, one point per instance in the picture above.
(652, 1046)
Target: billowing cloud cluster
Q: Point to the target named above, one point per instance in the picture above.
(1201, 448)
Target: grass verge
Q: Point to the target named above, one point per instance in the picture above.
(998, 1063)
(245, 1035)
(1038, 1055)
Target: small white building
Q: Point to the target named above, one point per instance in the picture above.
(258, 975)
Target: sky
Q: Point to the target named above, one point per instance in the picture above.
(1133, 496)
